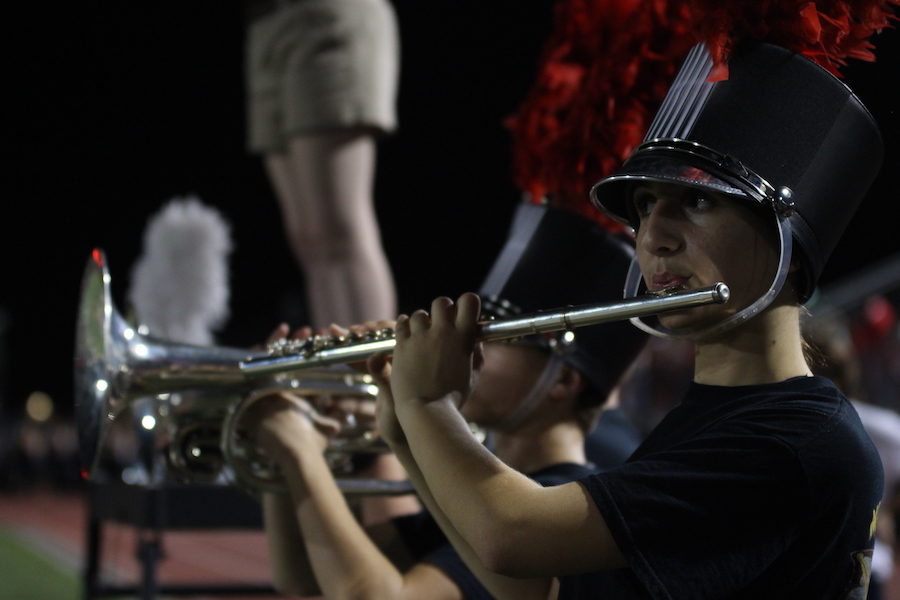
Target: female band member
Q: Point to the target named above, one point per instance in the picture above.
(762, 483)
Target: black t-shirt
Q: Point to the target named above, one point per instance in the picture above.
(427, 543)
(760, 491)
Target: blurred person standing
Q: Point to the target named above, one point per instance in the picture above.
(321, 81)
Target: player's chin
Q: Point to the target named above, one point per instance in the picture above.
(685, 321)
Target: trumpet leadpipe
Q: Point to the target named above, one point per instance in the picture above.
(319, 351)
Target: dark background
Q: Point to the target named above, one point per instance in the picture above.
(117, 107)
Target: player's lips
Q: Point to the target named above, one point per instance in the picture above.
(665, 280)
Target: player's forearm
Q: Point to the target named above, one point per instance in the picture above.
(469, 484)
(500, 586)
(291, 571)
(345, 561)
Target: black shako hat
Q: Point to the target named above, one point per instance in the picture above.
(780, 131)
(555, 258)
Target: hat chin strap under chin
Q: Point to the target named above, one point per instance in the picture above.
(537, 393)
(634, 279)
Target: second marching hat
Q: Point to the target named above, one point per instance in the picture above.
(555, 258)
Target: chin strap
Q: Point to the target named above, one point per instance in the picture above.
(633, 283)
(537, 393)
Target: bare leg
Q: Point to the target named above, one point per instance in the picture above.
(324, 185)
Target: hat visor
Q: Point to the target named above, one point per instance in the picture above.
(612, 195)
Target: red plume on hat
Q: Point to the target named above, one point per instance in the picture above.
(828, 32)
(603, 72)
(607, 66)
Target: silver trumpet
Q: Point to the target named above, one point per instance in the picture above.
(117, 364)
(200, 393)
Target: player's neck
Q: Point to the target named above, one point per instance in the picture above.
(766, 349)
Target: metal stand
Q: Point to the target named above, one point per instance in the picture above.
(153, 510)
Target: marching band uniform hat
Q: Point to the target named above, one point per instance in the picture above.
(780, 131)
(554, 258)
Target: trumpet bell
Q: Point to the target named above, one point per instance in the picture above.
(95, 349)
(115, 363)
(196, 395)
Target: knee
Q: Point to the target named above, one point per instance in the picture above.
(335, 231)
(332, 245)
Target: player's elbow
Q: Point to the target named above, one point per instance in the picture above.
(505, 561)
(503, 551)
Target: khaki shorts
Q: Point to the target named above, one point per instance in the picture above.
(319, 65)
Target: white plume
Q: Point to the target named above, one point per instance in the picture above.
(179, 285)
